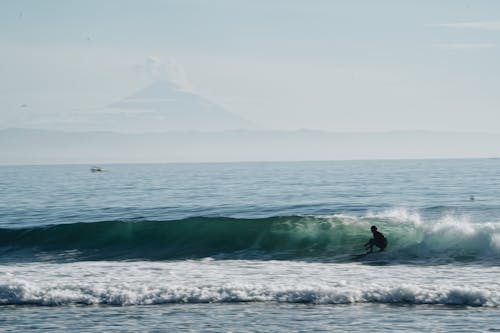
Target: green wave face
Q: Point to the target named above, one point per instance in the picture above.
(335, 238)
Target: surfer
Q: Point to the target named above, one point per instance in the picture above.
(378, 240)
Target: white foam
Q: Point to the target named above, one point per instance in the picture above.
(142, 283)
(453, 226)
(127, 294)
(495, 241)
(400, 215)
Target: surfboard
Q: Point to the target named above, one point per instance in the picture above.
(361, 255)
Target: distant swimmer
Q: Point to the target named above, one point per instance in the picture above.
(378, 240)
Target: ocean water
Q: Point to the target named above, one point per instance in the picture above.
(251, 247)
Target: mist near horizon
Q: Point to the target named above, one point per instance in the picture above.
(23, 146)
(259, 72)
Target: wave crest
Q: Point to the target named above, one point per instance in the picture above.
(325, 238)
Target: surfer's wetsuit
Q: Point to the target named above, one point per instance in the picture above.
(378, 240)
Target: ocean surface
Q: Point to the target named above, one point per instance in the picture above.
(251, 247)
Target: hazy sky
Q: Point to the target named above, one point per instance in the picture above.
(331, 65)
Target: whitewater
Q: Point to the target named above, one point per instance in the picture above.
(251, 247)
(212, 281)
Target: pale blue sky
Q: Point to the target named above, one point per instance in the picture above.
(331, 65)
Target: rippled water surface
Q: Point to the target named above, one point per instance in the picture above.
(251, 247)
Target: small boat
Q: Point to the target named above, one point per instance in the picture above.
(96, 169)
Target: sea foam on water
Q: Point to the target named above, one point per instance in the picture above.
(213, 281)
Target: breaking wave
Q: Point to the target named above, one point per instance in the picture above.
(23, 293)
(316, 238)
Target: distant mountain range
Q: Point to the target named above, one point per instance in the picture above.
(27, 146)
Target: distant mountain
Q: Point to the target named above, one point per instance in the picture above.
(163, 106)
(160, 107)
